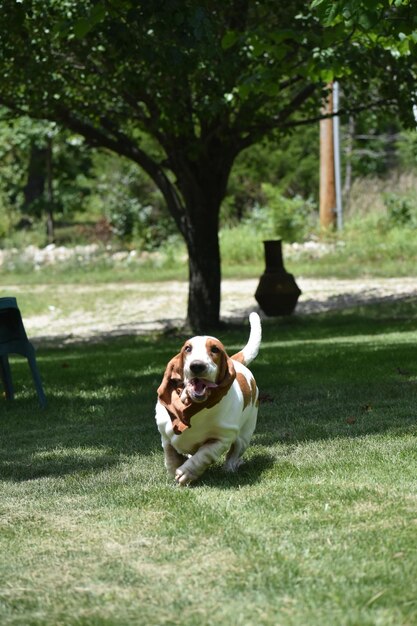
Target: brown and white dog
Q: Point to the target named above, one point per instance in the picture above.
(207, 405)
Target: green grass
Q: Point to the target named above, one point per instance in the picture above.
(369, 245)
(365, 247)
(318, 527)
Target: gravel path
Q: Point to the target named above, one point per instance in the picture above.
(138, 308)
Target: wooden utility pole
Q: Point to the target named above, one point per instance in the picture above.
(327, 178)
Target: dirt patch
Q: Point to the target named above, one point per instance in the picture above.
(137, 308)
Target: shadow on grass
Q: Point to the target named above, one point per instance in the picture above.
(345, 374)
(337, 390)
(372, 319)
(340, 374)
(249, 473)
(32, 467)
(96, 418)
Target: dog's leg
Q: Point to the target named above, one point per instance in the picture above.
(233, 460)
(173, 459)
(199, 462)
(238, 447)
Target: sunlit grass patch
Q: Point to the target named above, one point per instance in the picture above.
(318, 526)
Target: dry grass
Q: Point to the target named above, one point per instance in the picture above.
(368, 194)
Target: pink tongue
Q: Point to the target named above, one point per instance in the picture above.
(201, 385)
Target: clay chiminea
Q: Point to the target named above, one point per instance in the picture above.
(277, 292)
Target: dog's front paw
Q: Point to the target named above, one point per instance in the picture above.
(184, 477)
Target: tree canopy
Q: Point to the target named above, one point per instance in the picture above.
(181, 87)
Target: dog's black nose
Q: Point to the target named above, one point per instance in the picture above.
(197, 367)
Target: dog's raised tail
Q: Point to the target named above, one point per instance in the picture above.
(250, 351)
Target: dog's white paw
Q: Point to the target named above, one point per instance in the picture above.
(184, 477)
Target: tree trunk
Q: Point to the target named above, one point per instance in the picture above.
(38, 192)
(203, 313)
(202, 184)
(35, 185)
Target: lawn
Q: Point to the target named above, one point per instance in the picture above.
(318, 527)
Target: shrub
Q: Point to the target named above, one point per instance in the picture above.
(402, 210)
(290, 218)
(242, 244)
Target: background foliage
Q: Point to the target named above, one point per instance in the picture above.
(273, 189)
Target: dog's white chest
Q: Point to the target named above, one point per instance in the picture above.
(214, 423)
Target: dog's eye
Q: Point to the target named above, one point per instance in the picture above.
(215, 349)
(187, 348)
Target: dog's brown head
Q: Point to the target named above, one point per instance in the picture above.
(196, 378)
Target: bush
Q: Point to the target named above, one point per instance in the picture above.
(242, 245)
(402, 210)
(291, 219)
(5, 223)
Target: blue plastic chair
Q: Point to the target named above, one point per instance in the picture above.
(13, 340)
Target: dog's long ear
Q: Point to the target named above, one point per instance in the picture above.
(172, 382)
(169, 392)
(226, 376)
(227, 372)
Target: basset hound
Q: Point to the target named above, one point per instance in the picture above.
(207, 405)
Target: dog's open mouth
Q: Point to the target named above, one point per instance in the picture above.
(198, 389)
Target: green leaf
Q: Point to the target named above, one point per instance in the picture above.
(84, 25)
(229, 39)
(327, 75)
(328, 11)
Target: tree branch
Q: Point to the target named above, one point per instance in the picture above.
(340, 112)
(122, 145)
(259, 130)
